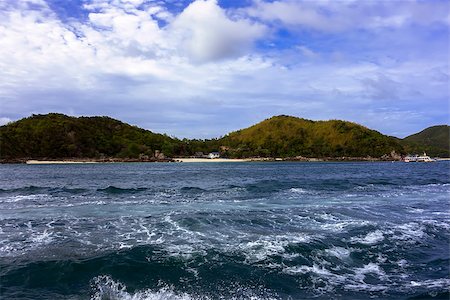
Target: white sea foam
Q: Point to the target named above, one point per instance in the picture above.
(402, 263)
(409, 232)
(264, 247)
(123, 245)
(371, 238)
(416, 210)
(106, 288)
(339, 252)
(184, 242)
(370, 268)
(441, 213)
(298, 190)
(364, 287)
(184, 251)
(261, 249)
(26, 241)
(23, 198)
(356, 281)
(391, 194)
(337, 226)
(6, 250)
(319, 270)
(327, 216)
(176, 226)
(366, 187)
(42, 238)
(445, 225)
(327, 278)
(432, 283)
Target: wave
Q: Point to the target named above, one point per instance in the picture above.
(31, 190)
(25, 189)
(192, 190)
(266, 267)
(140, 273)
(167, 192)
(325, 186)
(104, 288)
(370, 238)
(116, 190)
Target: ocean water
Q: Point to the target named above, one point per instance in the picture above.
(225, 231)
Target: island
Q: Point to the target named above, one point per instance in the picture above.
(53, 138)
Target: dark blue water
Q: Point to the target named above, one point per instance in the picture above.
(225, 231)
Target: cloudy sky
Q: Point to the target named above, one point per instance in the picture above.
(206, 67)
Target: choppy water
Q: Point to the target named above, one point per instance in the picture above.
(225, 231)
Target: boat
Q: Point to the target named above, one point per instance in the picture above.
(410, 158)
(424, 158)
(416, 158)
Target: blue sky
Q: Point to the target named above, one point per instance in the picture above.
(204, 68)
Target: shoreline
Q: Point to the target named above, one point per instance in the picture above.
(184, 160)
(79, 161)
(57, 162)
(210, 160)
(196, 160)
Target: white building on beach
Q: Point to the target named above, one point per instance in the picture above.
(214, 155)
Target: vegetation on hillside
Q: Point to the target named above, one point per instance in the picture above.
(285, 136)
(434, 140)
(56, 136)
(60, 136)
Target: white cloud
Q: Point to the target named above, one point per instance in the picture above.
(199, 70)
(132, 34)
(121, 55)
(207, 34)
(293, 13)
(307, 52)
(332, 16)
(4, 121)
(202, 32)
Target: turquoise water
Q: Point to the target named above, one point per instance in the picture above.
(225, 231)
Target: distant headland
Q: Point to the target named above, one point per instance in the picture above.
(56, 137)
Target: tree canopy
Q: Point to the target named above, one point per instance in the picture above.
(59, 136)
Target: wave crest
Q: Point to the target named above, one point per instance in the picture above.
(105, 288)
(116, 190)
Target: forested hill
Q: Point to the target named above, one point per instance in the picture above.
(60, 136)
(57, 136)
(435, 140)
(290, 136)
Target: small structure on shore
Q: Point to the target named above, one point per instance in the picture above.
(213, 155)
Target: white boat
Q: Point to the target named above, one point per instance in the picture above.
(416, 158)
(410, 158)
(424, 158)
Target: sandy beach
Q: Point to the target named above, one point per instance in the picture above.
(208, 160)
(46, 162)
(187, 159)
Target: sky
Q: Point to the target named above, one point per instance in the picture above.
(200, 69)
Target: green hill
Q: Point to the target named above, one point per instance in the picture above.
(57, 136)
(434, 140)
(285, 136)
(60, 136)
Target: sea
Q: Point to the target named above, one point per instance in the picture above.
(250, 230)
